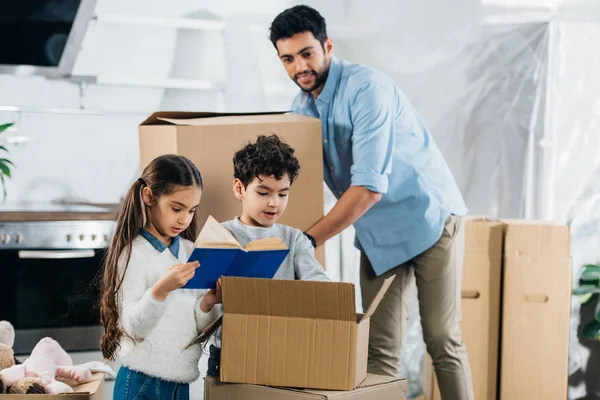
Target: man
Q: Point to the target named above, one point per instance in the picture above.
(393, 184)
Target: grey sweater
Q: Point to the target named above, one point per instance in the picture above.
(300, 264)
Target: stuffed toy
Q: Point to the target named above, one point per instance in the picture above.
(49, 364)
(22, 386)
(7, 336)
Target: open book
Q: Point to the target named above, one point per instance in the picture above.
(220, 254)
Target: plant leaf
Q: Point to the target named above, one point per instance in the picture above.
(4, 148)
(590, 273)
(6, 161)
(592, 330)
(586, 289)
(585, 298)
(3, 187)
(4, 169)
(6, 126)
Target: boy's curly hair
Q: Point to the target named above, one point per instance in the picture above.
(268, 156)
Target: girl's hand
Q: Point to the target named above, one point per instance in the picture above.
(212, 297)
(175, 277)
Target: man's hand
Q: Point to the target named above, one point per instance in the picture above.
(353, 204)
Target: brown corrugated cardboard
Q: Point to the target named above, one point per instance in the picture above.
(534, 318)
(93, 390)
(535, 312)
(211, 139)
(374, 387)
(294, 333)
(480, 304)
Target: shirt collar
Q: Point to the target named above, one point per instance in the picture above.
(331, 84)
(160, 246)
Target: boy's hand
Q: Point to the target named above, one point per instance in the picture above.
(175, 277)
(212, 297)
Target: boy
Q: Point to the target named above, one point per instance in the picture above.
(263, 174)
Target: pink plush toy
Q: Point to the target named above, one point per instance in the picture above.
(52, 364)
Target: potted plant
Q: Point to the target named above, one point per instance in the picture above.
(5, 163)
(588, 289)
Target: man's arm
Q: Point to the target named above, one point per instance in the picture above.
(355, 201)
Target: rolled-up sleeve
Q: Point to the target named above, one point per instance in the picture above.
(372, 113)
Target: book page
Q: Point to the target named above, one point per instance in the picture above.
(273, 243)
(213, 234)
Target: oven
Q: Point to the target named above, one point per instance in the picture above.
(49, 281)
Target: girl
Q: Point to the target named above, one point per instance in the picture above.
(147, 321)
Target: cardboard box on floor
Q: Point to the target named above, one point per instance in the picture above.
(480, 304)
(374, 387)
(93, 390)
(536, 299)
(536, 309)
(299, 334)
(209, 140)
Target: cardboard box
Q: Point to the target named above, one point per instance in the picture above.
(533, 319)
(294, 333)
(209, 140)
(480, 304)
(93, 390)
(373, 388)
(535, 311)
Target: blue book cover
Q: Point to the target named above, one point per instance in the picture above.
(219, 254)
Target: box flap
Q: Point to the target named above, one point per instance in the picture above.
(483, 237)
(305, 299)
(537, 240)
(158, 117)
(384, 287)
(238, 120)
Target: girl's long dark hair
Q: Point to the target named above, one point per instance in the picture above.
(163, 176)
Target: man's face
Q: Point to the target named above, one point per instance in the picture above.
(305, 60)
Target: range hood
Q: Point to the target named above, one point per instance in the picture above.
(42, 37)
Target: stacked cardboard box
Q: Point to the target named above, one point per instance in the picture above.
(296, 335)
(373, 388)
(209, 140)
(515, 313)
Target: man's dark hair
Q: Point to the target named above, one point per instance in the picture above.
(296, 20)
(269, 156)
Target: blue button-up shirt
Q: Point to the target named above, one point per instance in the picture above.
(373, 137)
(160, 246)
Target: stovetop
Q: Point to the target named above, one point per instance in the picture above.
(56, 226)
(39, 211)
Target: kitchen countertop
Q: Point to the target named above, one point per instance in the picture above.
(57, 212)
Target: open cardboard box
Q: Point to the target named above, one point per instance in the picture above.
(300, 334)
(93, 390)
